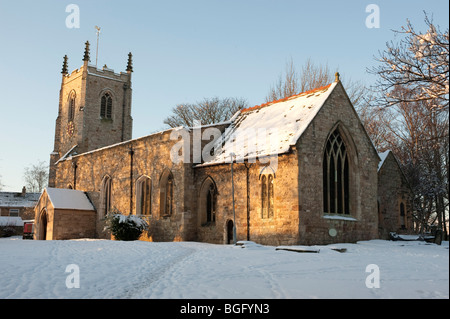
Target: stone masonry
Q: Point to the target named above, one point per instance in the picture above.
(393, 192)
(102, 150)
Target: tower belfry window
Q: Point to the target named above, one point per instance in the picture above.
(106, 106)
(71, 114)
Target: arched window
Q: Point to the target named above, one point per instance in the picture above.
(267, 202)
(270, 195)
(166, 194)
(264, 213)
(106, 106)
(336, 183)
(71, 110)
(106, 195)
(402, 216)
(144, 196)
(208, 202)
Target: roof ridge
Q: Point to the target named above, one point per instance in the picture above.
(286, 98)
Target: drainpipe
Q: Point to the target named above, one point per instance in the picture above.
(247, 166)
(232, 191)
(75, 166)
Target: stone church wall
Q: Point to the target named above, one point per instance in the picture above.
(150, 158)
(393, 190)
(361, 223)
(281, 229)
(298, 214)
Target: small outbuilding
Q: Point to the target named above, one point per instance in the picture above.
(63, 214)
(394, 198)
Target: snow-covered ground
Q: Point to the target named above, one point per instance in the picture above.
(113, 269)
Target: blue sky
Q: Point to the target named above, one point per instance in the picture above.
(183, 52)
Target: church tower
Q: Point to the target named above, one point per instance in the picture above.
(94, 110)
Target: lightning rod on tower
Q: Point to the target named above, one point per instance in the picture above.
(98, 36)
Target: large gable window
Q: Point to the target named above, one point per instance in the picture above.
(336, 176)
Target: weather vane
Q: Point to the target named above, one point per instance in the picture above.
(98, 36)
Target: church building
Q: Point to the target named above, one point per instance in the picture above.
(301, 170)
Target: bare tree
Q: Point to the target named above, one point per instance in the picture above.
(36, 177)
(420, 62)
(1, 185)
(375, 121)
(417, 133)
(311, 76)
(207, 111)
(288, 84)
(412, 98)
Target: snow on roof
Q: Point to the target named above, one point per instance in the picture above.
(11, 221)
(69, 199)
(122, 143)
(67, 155)
(270, 128)
(383, 157)
(11, 199)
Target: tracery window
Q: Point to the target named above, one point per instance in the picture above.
(71, 111)
(267, 193)
(106, 106)
(336, 199)
(144, 196)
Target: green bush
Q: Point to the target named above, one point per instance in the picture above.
(125, 227)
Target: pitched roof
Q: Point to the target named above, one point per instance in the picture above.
(68, 199)
(11, 221)
(383, 157)
(10, 199)
(271, 128)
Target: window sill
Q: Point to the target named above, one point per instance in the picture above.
(340, 217)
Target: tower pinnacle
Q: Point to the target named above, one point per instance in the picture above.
(130, 63)
(64, 68)
(86, 57)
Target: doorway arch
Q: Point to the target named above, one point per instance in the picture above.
(43, 221)
(230, 227)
